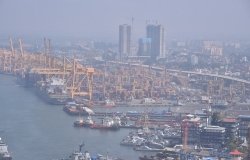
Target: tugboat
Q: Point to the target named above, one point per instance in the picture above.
(4, 154)
(79, 155)
(109, 103)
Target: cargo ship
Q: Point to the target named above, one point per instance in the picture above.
(4, 153)
(53, 91)
(28, 79)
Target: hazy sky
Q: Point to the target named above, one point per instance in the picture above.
(99, 19)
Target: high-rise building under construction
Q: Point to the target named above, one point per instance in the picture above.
(156, 34)
(124, 41)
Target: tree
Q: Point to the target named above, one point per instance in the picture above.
(216, 117)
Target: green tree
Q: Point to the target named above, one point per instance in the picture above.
(216, 117)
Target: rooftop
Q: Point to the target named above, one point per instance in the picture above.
(192, 118)
(214, 128)
(244, 116)
(229, 120)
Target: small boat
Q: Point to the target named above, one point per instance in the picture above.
(109, 103)
(4, 154)
(132, 141)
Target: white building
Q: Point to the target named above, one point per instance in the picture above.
(124, 41)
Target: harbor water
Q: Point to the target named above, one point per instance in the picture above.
(36, 130)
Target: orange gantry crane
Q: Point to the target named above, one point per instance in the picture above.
(78, 78)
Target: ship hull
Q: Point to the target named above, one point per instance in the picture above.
(72, 111)
(54, 99)
(102, 127)
(83, 124)
(5, 158)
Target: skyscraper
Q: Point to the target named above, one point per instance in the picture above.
(156, 34)
(124, 40)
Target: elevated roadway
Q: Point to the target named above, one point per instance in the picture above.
(212, 75)
(186, 72)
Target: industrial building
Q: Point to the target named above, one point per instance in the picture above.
(244, 122)
(213, 136)
(190, 129)
(231, 125)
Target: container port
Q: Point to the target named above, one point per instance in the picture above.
(132, 79)
(114, 96)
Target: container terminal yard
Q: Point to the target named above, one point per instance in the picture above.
(110, 83)
(198, 113)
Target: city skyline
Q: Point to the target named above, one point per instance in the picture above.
(195, 19)
(124, 80)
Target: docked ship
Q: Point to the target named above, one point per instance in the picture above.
(106, 103)
(28, 79)
(4, 153)
(84, 123)
(80, 155)
(73, 108)
(53, 91)
(108, 123)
